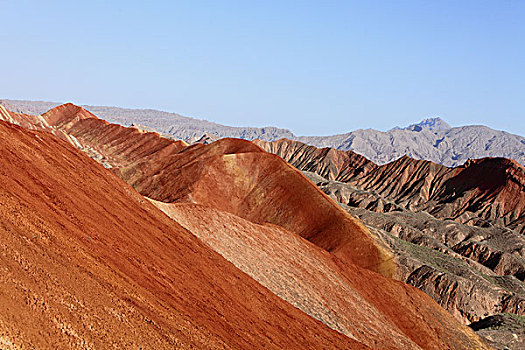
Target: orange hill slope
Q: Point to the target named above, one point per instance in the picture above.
(256, 188)
(230, 174)
(262, 188)
(372, 309)
(87, 262)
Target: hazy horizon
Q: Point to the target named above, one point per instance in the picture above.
(263, 126)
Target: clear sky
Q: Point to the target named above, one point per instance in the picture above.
(315, 67)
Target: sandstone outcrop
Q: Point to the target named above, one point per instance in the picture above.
(88, 262)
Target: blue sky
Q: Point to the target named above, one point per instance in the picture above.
(314, 67)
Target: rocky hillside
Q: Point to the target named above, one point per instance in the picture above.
(432, 139)
(482, 192)
(87, 262)
(272, 223)
(503, 331)
(457, 233)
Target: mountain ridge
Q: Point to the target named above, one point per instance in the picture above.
(482, 191)
(457, 232)
(431, 139)
(432, 124)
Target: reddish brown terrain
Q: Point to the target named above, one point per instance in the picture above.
(330, 163)
(254, 184)
(260, 187)
(345, 297)
(457, 233)
(87, 262)
(251, 207)
(482, 192)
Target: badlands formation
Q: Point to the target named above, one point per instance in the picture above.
(87, 262)
(168, 245)
(457, 233)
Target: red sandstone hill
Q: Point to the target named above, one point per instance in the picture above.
(345, 297)
(232, 188)
(87, 262)
(235, 176)
(480, 192)
(457, 233)
(330, 163)
(253, 184)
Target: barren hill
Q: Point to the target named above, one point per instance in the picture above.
(423, 141)
(232, 188)
(87, 262)
(457, 233)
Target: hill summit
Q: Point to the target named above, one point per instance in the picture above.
(431, 124)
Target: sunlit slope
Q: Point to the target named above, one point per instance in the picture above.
(361, 304)
(87, 262)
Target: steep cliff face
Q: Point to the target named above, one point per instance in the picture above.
(236, 186)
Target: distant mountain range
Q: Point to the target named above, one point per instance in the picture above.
(432, 139)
